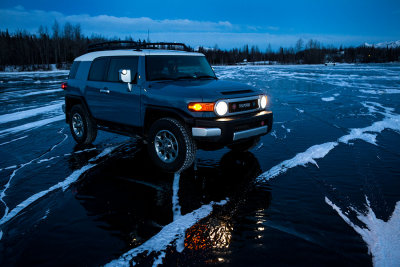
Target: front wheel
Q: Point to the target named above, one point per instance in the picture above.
(170, 146)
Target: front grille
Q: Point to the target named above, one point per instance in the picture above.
(247, 105)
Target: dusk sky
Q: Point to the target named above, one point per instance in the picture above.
(225, 23)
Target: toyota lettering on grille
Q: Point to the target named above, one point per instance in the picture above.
(244, 105)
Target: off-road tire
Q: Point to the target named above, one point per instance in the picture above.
(186, 146)
(244, 145)
(89, 125)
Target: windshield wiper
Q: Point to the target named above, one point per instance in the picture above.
(163, 79)
(206, 76)
(186, 77)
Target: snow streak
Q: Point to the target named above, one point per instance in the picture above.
(31, 125)
(29, 113)
(328, 99)
(7, 185)
(16, 139)
(382, 237)
(61, 185)
(176, 208)
(168, 235)
(368, 134)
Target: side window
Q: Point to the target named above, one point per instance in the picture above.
(98, 69)
(74, 70)
(118, 63)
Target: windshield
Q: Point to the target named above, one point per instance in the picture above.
(178, 67)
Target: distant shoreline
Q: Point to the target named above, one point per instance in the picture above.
(13, 70)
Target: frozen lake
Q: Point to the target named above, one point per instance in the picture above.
(322, 189)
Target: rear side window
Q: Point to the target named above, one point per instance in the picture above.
(74, 70)
(98, 69)
(119, 63)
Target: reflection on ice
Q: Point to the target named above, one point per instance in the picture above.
(211, 235)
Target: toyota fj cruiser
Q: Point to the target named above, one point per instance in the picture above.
(164, 94)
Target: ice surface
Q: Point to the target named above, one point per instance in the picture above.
(31, 125)
(105, 152)
(176, 208)
(287, 129)
(13, 140)
(380, 91)
(328, 99)
(42, 92)
(7, 185)
(173, 233)
(301, 159)
(167, 236)
(61, 185)
(382, 238)
(46, 214)
(368, 134)
(30, 113)
(358, 134)
(260, 146)
(34, 73)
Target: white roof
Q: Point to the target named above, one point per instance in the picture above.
(129, 52)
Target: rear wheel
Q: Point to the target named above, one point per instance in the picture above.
(245, 145)
(170, 146)
(82, 125)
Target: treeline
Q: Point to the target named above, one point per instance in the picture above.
(62, 43)
(312, 52)
(38, 51)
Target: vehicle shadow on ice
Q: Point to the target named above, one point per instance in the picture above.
(132, 199)
(123, 201)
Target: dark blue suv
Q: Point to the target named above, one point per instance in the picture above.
(168, 97)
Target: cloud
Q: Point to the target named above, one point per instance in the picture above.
(20, 18)
(192, 32)
(273, 28)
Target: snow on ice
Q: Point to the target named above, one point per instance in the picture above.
(168, 235)
(61, 185)
(328, 99)
(31, 125)
(382, 237)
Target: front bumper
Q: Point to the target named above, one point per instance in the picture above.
(232, 129)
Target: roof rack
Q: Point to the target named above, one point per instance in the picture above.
(115, 45)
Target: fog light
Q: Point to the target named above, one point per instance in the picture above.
(221, 108)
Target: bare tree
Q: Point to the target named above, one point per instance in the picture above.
(299, 45)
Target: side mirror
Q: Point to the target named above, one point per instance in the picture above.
(126, 77)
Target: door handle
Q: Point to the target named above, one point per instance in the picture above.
(105, 90)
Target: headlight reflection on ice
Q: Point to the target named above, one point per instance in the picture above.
(204, 236)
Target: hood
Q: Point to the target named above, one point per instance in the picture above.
(208, 90)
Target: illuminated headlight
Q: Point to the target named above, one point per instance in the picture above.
(263, 101)
(221, 108)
